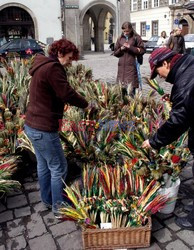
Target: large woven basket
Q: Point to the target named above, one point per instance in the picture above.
(128, 237)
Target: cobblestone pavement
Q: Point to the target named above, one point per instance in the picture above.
(26, 224)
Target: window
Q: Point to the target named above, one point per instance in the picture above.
(133, 5)
(155, 3)
(173, 1)
(154, 28)
(144, 4)
(134, 26)
(143, 29)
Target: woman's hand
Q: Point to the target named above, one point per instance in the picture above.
(126, 45)
(146, 144)
(123, 48)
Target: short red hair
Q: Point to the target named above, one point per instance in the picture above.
(63, 46)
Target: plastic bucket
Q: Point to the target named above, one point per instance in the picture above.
(172, 193)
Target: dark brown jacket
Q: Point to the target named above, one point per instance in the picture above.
(176, 43)
(127, 71)
(49, 91)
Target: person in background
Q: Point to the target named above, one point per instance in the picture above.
(176, 42)
(172, 33)
(127, 47)
(162, 41)
(49, 92)
(176, 69)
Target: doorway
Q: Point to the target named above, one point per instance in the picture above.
(15, 22)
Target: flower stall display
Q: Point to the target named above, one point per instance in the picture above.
(8, 165)
(14, 83)
(112, 194)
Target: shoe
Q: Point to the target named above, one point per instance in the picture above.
(184, 223)
(48, 206)
(188, 208)
(58, 216)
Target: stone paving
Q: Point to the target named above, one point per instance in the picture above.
(26, 224)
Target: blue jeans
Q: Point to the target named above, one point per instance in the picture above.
(139, 74)
(51, 165)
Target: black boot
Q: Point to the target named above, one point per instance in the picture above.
(132, 92)
(183, 222)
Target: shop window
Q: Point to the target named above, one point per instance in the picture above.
(143, 28)
(134, 26)
(154, 28)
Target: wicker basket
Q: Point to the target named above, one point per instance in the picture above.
(128, 237)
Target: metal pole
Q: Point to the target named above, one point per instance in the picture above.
(117, 18)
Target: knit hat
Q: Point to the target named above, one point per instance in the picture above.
(158, 56)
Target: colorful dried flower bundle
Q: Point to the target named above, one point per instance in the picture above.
(112, 194)
(8, 166)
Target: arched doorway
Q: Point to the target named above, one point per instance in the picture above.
(15, 22)
(98, 25)
(185, 26)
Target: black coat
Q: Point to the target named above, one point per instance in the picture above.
(177, 44)
(182, 97)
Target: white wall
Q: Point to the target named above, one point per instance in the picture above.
(46, 13)
(84, 3)
(152, 15)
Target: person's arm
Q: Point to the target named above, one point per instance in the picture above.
(58, 81)
(119, 51)
(169, 42)
(159, 42)
(184, 49)
(138, 48)
(173, 128)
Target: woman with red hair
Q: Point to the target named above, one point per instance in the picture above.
(49, 92)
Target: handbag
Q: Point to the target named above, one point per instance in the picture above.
(140, 59)
(140, 56)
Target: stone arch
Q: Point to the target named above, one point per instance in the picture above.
(97, 10)
(30, 12)
(86, 29)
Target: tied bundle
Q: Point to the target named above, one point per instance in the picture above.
(112, 194)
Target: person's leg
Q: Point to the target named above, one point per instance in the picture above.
(57, 165)
(139, 75)
(131, 90)
(44, 176)
(191, 214)
(188, 221)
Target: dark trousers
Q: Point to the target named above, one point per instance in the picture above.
(191, 214)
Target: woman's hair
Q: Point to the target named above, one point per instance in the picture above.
(163, 32)
(63, 46)
(126, 25)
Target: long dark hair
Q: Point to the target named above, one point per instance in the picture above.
(128, 25)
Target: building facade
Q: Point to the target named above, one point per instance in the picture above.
(38, 19)
(151, 17)
(88, 21)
